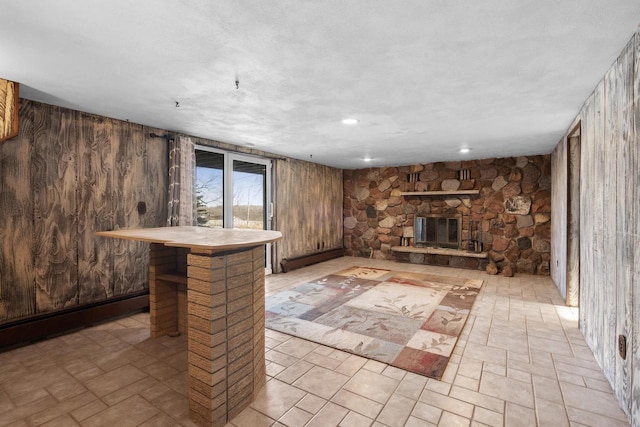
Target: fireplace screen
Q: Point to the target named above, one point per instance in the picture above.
(442, 231)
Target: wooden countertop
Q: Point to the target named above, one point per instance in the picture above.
(197, 237)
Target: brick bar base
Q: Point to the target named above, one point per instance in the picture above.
(225, 328)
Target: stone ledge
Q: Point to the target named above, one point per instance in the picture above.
(440, 251)
(440, 193)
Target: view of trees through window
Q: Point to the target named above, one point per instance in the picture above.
(247, 196)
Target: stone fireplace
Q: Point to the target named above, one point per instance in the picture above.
(503, 208)
(437, 230)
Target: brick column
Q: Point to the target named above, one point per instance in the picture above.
(163, 299)
(225, 295)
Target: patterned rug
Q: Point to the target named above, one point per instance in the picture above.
(408, 320)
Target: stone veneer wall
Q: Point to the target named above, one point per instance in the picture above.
(510, 215)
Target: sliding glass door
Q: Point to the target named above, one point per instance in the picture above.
(233, 191)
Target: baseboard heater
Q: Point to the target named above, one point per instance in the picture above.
(299, 262)
(40, 326)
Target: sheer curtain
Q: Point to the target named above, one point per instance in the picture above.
(182, 178)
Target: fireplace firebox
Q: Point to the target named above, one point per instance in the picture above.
(440, 231)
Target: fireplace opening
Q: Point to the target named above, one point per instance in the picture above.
(440, 231)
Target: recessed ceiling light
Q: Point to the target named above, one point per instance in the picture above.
(464, 150)
(349, 121)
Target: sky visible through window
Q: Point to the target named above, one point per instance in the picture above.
(247, 198)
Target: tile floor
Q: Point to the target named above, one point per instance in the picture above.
(520, 361)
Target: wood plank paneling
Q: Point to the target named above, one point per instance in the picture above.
(308, 208)
(559, 216)
(8, 109)
(95, 210)
(623, 239)
(634, 176)
(609, 225)
(53, 179)
(17, 281)
(573, 221)
(607, 151)
(57, 183)
(140, 172)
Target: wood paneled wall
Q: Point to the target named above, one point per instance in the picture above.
(307, 198)
(609, 224)
(65, 176)
(559, 216)
(8, 109)
(308, 212)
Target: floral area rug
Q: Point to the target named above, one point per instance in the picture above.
(408, 320)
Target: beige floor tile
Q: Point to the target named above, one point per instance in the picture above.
(357, 403)
(296, 347)
(507, 389)
(295, 417)
(311, 403)
(439, 386)
(251, 418)
(130, 412)
(519, 416)
(129, 390)
(598, 385)
(487, 417)
(417, 422)
(173, 404)
(111, 381)
(447, 403)
(477, 399)
(276, 398)
(593, 419)
(117, 363)
(351, 365)
(29, 397)
(412, 385)
(321, 382)
(63, 421)
(295, 371)
(396, 411)
(27, 410)
(322, 360)
(280, 358)
(61, 409)
(453, 420)
(160, 420)
(547, 389)
(395, 373)
(372, 385)
(160, 370)
(274, 369)
(374, 366)
(329, 416)
(354, 419)
(592, 401)
(551, 413)
(426, 413)
(88, 410)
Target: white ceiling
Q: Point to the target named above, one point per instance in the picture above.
(424, 77)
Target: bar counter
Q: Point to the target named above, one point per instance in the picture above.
(223, 270)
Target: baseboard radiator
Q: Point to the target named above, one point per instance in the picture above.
(302, 261)
(36, 327)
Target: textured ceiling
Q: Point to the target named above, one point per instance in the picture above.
(423, 77)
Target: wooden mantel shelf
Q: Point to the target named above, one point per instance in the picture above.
(440, 193)
(440, 251)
